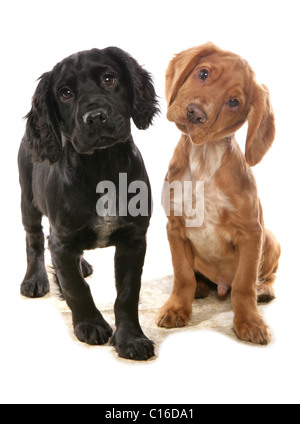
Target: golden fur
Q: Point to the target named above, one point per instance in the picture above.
(231, 248)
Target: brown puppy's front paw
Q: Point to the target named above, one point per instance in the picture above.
(171, 316)
(252, 330)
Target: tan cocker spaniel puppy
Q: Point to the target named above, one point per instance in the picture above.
(211, 93)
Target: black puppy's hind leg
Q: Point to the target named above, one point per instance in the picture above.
(85, 268)
(35, 283)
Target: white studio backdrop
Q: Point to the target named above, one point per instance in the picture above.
(34, 36)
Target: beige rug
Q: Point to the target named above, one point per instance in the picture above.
(210, 313)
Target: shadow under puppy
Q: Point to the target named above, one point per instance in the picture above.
(78, 135)
(211, 93)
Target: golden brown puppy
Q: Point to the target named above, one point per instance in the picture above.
(211, 93)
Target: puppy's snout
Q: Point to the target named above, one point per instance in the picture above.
(96, 116)
(196, 115)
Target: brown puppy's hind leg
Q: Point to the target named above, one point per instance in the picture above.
(269, 265)
(203, 286)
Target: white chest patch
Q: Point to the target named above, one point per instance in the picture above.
(104, 228)
(208, 238)
(206, 159)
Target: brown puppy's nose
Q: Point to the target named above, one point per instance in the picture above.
(195, 115)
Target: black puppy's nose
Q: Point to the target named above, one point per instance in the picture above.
(95, 116)
(195, 115)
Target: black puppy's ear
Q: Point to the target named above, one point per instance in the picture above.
(144, 104)
(43, 138)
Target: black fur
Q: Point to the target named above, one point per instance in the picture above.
(77, 135)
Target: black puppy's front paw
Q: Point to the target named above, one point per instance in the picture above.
(35, 286)
(93, 332)
(138, 348)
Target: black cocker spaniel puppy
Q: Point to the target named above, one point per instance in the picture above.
(78, 137)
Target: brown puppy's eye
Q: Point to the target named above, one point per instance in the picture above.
(66, 94)
(233, 103)
(108, 80)
(203, 74)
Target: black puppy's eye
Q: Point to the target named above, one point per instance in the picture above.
(108, 80)
(66, 94)
(203, 74)
(233, 103)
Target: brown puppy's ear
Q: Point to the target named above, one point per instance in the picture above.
(182, 65)
(261, 126)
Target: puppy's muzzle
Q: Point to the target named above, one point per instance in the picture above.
(196, 115)
(95, 117)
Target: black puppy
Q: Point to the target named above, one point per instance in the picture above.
(77, 136)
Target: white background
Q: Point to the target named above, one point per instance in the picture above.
(39, 363)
